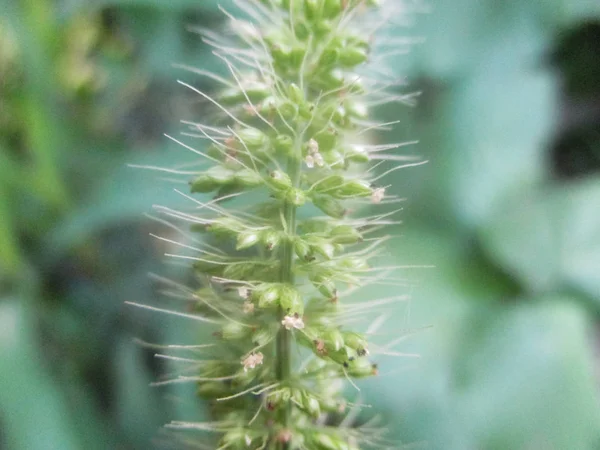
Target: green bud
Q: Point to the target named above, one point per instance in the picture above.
(354, 188)
(256, 91)
(296, 94)
(281, 54)
(332, 8)
(323, 27)
(329, 184)
(244, 270)
(233, 331)
(281, 180)
(263, 336)
(321, 246)
(271, 239)
(361, 368)
(353, 264)
(328, 442)
(302, 30)
(204, 184)
(345, 234)
(212, 389)
(314, 226)
(311, 9)
(302, 249)
(274, 400)
(288, 110)
(325, 286)
(235, 437)
(248, 178)
(355, 341)
(267, 295)
(290, 300)
(357, 154)
(356, 109)
(296, 56)
(329, 206)
(334, 340)
(311, 404)
(295, 196)
(224, 227)
(284, 144)
(327, 139)
(329, 57)
(247, 239)
(253, 138)
(212, 179)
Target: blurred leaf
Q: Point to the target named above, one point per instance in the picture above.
(34, 416)
(210, 6)
(494, 373)
(568, 13)
(125, 195)
(548, 238)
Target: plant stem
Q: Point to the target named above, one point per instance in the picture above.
(286, 275)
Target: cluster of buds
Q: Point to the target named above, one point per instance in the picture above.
(275, 277)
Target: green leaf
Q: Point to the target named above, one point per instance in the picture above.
(548, 238)
(34, 414)
(495, 372)
(125, 196)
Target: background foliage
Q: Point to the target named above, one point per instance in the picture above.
(506, 210)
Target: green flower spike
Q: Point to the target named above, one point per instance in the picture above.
(287, 145)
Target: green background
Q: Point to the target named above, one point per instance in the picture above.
(507, 211)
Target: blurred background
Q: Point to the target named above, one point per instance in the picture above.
(507, 323)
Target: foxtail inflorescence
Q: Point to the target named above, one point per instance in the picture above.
(288, 149)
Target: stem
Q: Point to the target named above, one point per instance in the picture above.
(286, 275)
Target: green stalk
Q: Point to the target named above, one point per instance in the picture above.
(286, 275)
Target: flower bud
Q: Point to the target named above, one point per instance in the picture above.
(324, 441)
(212, 389)
(295, 93)
(326, 287)
(329, 184)
(267, 295)
(321, 246)
(332, 8)
(233, 331)
(262, 336)
(204, 184)
(311, 404)
(302, 249)
(353, 264)
(271, 239)
(253, 138)
(361, 368)
(354, 188)
(247, 239)
(274, 400)
(290, 300)
(248, 178)
(284, 144)
(280, 180)
(357, 154)
(345, 234)
(334, 340)
(212, 179)
(329, 206)
(329, 57)
(312, 9)
(295, 196)
(352, 56)
(356, 342)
